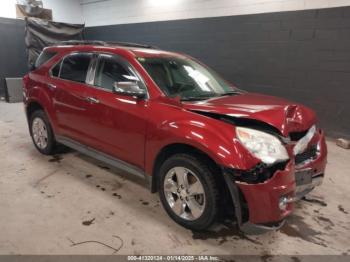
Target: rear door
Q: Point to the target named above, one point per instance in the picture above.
(69, 84)
(118, 123)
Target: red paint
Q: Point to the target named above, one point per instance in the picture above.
(263, 198)
(280, 113)
(135, 130)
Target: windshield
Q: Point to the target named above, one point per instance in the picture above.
(185, 78)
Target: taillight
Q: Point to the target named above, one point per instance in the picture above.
(26, 80)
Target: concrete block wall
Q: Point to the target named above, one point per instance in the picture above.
(109, 12)
(300, 55)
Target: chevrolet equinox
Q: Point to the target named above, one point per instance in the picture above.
(205, 146)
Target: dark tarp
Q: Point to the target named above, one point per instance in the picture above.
(41, 33)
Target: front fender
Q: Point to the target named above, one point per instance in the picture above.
(217, 140)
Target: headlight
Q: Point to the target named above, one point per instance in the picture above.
(301, 145)
(264, 146)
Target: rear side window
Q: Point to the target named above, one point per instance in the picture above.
(75, 67)
(43, 58)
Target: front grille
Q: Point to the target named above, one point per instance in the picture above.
(309, 154)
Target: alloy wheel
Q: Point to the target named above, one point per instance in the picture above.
(184, 193)
(39, 132)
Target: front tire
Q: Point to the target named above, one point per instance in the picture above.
(188, 191)
(41, 132)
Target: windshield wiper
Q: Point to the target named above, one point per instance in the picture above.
(231, 93)
(198, 98)
(195, 98)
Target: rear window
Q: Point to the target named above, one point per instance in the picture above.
(75, 67)
(43, 58)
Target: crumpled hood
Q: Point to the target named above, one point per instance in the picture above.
(282, 114)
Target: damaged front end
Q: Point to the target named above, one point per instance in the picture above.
(264, 205)
(269, 191)
(264, 195)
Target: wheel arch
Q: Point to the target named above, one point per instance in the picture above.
(38, 104)
(232, 202)
(173, 149)
(32, 107)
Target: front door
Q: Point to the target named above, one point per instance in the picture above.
(118, 123)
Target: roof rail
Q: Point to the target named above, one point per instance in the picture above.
(80, 42)
(128, 44)
(103, 43)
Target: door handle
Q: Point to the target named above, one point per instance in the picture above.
(51, 86)
(93, 100)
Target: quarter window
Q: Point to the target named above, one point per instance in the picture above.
(109, 70)
(75, 67)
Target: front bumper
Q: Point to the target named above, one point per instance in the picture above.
(310, 174)
(294, 182)
(306, 181)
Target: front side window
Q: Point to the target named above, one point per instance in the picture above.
(109, 70)
(186, 78)
(75, 67)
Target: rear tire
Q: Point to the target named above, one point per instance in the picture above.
(188, 191)
(42, 133)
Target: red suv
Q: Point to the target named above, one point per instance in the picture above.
(207, 147)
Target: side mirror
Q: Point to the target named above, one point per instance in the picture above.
(129, 88)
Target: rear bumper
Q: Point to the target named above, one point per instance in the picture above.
(294, 182)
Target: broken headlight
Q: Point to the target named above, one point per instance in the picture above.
(264, 146)
(301, 145)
